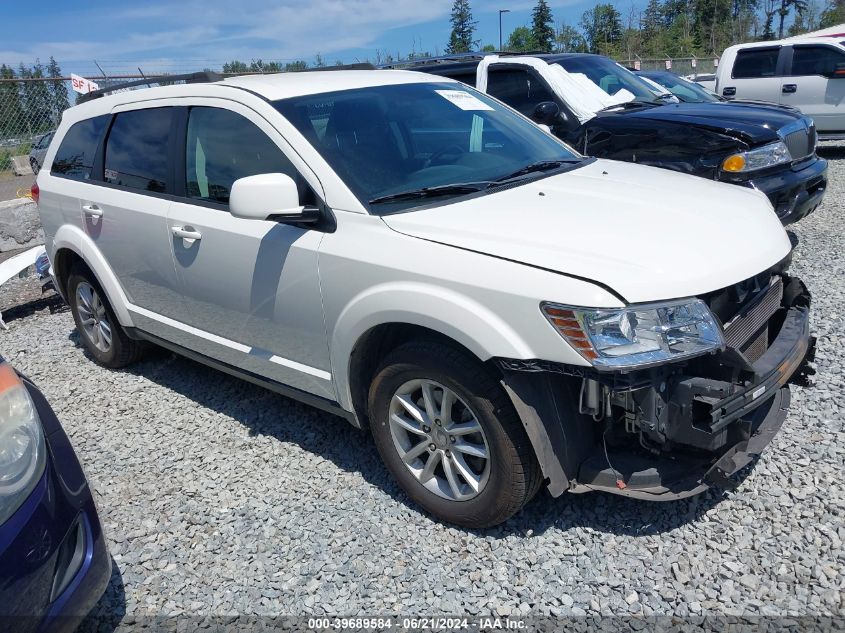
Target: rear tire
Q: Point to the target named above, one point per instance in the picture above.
(33, 163)
(98, 327)
(483, 469)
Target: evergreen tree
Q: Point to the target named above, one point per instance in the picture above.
(833, 14)
(36, 100)
(58, 91)
(11, 109)
(602, 27)
(783, 11)
(542, 27)
(235, 67)
(463, 28)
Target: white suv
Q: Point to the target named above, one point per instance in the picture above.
(412, 255)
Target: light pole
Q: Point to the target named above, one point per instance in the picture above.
(501, 11)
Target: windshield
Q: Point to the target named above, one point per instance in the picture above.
(443, 139)
(685, 90)
(609, 76)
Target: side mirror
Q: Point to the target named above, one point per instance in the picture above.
(545, 113)
(269, 197)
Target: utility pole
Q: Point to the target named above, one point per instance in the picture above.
(501, 11)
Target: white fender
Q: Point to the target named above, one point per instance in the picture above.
(466, 321)
(75, 239)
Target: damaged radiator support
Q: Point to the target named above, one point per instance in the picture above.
(685, 405)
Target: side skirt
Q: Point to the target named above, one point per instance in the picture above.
(324, 404)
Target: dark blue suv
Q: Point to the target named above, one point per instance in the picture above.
(54, 564)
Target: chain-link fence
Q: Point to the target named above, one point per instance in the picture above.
(683, 66)
(29, 108)
(31, 104)
(32, 99)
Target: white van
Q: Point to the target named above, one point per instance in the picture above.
(807, 73)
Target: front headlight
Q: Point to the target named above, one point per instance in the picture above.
(22, 448)
(766, 156)
(637, 336)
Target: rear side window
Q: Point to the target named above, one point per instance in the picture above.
(75, 156)
(224, 146)
(815, 60)
(137, 148)
(518, 88)
(756, 62)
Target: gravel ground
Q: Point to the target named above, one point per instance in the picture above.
(221, 498)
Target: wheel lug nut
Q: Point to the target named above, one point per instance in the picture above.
(453, 439)
(448, 453)
(426, 428)
(437, 422)
(431, 447)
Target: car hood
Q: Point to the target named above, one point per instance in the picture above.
(647, 233)
(755, 123)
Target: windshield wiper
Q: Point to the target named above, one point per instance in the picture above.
(432, 192)
(542, 165)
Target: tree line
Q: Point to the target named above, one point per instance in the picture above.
(664, 28)
(31, 107)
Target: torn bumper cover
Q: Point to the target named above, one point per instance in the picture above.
(666, 434)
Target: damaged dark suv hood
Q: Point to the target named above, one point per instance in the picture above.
(754, 123)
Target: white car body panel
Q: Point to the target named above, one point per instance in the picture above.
(590, 222)
(590, 237)
(484, 303)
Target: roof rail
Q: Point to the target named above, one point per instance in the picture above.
(458, 57)
(356, 66)
(189, 78)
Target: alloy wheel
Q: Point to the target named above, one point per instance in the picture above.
(440, 440)
(93, 317)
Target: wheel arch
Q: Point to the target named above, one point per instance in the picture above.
(371, 325)
(70, 245)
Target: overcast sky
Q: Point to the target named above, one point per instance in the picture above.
(189, 31)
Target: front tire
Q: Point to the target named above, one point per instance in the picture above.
(98, 327)
(448, 433)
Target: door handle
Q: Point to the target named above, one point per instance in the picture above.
(187, 233)
(789, 88)
(730, 91)
(93, 210)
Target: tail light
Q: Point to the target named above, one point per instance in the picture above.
(34, 191)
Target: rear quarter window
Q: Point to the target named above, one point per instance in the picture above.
(75, 156)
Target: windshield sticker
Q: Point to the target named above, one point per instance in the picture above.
(464, 100)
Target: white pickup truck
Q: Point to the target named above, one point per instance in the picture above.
(806, 73)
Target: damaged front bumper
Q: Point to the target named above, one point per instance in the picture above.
(794, 192)
(664, 433)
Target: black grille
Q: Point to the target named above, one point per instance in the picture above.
(801, 143)
(748, 330)
(757, 346)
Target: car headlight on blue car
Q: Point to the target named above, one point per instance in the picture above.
(640, 335)
(22, 446)
(767, 156)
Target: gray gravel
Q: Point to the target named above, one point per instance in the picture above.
(221, 498)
